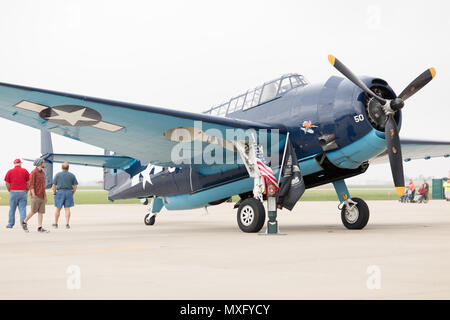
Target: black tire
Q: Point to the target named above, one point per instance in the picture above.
(359, 218)
(251, 215)
(149, 221)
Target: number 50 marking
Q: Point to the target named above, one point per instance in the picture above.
(358, 118)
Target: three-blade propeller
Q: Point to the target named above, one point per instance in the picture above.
(390, 107)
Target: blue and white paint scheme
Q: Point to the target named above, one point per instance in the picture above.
(328, 123)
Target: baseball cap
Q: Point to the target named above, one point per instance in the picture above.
(17, 161)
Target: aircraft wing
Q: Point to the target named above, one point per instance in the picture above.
(418, 149)
(141, 132)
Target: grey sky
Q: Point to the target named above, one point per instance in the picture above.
(190, 55)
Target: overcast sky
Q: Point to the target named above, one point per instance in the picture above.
(190, 55)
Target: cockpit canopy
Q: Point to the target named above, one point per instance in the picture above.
(261, 94)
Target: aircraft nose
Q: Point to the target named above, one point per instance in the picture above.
(374, 110)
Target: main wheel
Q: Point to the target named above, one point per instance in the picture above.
(251, 215)
(355, 216)
(149, 221)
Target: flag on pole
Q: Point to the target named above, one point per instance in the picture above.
(292, 186)
(264, 169)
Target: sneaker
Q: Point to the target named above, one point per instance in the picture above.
(67, 226)
(55, 225)
(8, 226)
(42, 230)
(25, 227)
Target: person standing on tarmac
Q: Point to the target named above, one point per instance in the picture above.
(447, 189)
(17, 182)
(64, 187)
(427, 190)
(38, 195)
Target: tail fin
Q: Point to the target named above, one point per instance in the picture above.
(113, 177)
(47, 149)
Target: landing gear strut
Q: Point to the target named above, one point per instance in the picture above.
(251, 213)
(354, 211)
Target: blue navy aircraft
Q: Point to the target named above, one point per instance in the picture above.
(336, 128)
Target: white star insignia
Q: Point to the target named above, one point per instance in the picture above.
(146, 177)
(71, 117)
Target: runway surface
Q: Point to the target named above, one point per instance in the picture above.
(403, 253)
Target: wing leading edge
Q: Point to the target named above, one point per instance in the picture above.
(418, 149)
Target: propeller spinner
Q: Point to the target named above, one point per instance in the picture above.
(390, 107)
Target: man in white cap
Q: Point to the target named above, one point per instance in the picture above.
(38, 195)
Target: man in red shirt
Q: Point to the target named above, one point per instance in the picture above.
(38, 196)
(17, 182)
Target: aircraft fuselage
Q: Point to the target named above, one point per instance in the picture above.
(328, 125)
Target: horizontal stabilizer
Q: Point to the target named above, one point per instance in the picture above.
(102, 161)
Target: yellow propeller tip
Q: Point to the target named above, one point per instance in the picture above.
(400, 190)
(332, 59)
(433, 72)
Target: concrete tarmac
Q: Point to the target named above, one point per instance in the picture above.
(403, 253)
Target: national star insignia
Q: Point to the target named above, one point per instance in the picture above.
(145, 176)
(69, 115)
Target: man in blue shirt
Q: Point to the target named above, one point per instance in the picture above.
(64, 187)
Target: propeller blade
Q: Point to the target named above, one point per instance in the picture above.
(418, 83)
(350, 76)
(395, 154)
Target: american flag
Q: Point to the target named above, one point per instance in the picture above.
(264, 169)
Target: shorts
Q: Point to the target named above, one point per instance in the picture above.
(447, 194)
(64, 198)
(37, 204)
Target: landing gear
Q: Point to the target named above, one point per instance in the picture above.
(150, 219)
(155, 207)
(355, 213)
(251, 215)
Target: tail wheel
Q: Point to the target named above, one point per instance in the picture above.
(355, 215)
(149, 221)
(251, 215)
